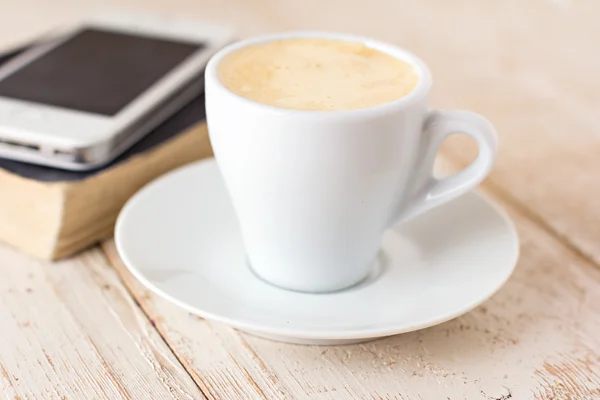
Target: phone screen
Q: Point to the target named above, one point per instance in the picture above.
(96, 71)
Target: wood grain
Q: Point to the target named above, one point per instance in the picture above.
(531, 67)
(537, 338)
(70, 330)
(537, 72)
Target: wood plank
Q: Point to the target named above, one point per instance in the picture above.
(537, 338)
(70, 330)
(534, 74)
(530, 67)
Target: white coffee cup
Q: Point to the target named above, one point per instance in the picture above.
(314, 191)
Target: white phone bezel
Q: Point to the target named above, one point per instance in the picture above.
(50, 126)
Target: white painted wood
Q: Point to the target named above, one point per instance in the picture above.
(537, 338)
(532, 68)
(70, 330)
(533, 71)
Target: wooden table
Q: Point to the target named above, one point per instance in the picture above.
(85, 329)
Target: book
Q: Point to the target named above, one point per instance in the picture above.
(51, 213)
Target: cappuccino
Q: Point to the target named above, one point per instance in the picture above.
(316, 74)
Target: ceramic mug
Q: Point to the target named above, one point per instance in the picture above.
(314, 191)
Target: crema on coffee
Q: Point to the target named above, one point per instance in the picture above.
(316, 74)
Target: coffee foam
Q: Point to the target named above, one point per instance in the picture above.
(316, 74)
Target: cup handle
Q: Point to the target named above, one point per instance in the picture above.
(427, 191)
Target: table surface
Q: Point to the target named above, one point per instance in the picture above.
(85, 328)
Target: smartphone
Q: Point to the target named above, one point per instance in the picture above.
(86, 94)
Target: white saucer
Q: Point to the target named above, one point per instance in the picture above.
(179, 236)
